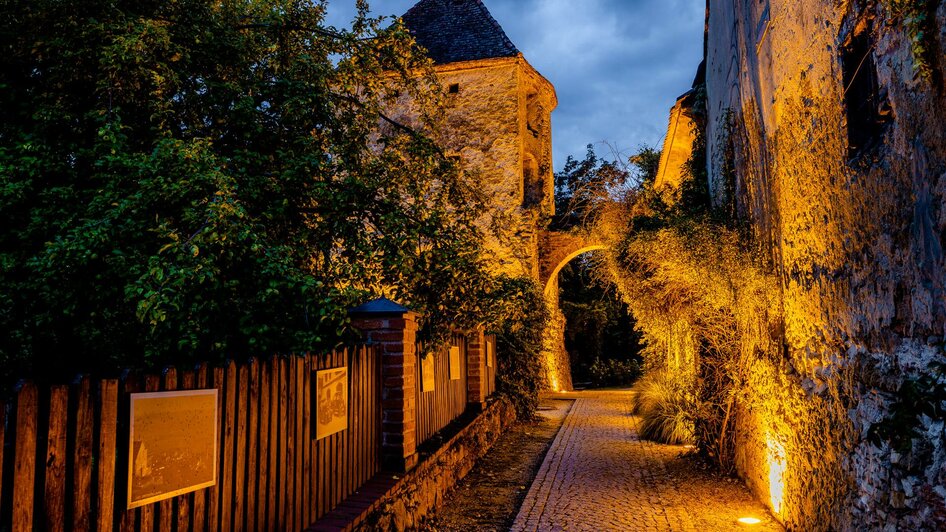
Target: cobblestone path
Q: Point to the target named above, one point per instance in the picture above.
(598, 475)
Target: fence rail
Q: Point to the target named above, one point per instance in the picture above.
(64, 454)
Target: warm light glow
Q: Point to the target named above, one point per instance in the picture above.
(552, 372)
(776, 458)
(749, 520)
(554, 384)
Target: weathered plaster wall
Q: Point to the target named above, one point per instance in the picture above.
(857, 245)
(500, 114)
(678, 146)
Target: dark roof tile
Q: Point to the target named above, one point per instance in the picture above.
(458, 30)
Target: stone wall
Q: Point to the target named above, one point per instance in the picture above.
(498, 125)
(845, 193)
(422, 489)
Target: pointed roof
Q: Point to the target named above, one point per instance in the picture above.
(458, 30)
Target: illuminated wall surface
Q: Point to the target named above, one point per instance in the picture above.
(497, 126)
(836, 152)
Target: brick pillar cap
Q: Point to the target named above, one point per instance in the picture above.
(379, 307)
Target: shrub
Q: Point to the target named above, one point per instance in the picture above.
(667, 408)
(613, 372)
(520, 319)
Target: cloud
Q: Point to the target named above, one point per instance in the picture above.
(617, 65)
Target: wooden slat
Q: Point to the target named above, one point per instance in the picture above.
(128, 518)
(283, 485)
(213, 494)
(24, 469)
(312, 444)
(252, 463)
(321, 490)
(146, 515)
(200, 497)
(262, 487)
(82, 459)
(306, 443)
(56, 458)
(347, 441)
(108, 434)
(354, 449)
(272, 503)
(299, 444)
(229, 428)
(239, 517)
(166, 507)
(291, 469)
(183, 502)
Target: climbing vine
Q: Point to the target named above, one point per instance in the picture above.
(919, 21)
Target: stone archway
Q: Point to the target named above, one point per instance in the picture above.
(556, 250)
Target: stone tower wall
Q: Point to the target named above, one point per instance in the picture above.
(489, 127)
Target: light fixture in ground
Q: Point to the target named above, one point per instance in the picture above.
(749, 521)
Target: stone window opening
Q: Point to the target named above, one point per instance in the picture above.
(866, 107)
(454, 88)
(533, 114)
(532, 186)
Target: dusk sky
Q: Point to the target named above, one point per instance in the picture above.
(617, 65)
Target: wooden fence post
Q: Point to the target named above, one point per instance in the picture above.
(476, 369)
(393, 329)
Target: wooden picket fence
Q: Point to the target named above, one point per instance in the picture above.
(63, 450)
(447, 401)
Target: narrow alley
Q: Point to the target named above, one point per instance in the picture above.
(598, 475)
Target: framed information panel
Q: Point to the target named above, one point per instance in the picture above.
(455, 363)
(331, 392)
(428, 382)
(172, 444)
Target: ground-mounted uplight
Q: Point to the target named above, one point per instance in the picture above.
(749, 521)
(777, 466)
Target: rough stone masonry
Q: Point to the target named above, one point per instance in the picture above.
(825, 136)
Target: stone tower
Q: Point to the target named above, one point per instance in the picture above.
(498, 122)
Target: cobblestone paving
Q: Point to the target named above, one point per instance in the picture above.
(598, 475)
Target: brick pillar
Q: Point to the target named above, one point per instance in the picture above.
(392, 328)
(476, 369)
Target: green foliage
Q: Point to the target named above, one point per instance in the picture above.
(194, 180)
(918, 16)
(924, 396)
(647, 163)
(612, 372)
(520, 321)
(667, 408)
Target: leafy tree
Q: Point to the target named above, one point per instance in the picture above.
(197, 179)
(584, 185)
(646, 162)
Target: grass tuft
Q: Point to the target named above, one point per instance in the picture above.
(666, 407)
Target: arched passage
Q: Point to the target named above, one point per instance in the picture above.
(550, 282)
(556, 250)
